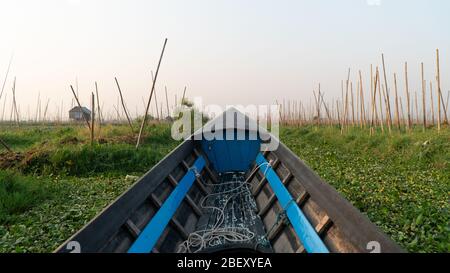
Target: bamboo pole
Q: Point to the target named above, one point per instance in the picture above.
(184, 94)
(407, 96)
(151, 93)
(6, 76)
(45, 111)
(397, 116)
(358, 106)
(362, 104)
(374, 119)
(381, 103)
(317, 101)
(401, 111)
(438, 81)
(448, 96)
(16, 112)
(417, 107)
(353, 106)
(432, 103)
(167, 102)
(99, 112)
(156, 100)
(37, 108)
(92, 118)
(326, 108)
(338, 117)
(346, 99)
(424, 109)
(388, 101)
(123, 105)
(4, 106)
(81, 109)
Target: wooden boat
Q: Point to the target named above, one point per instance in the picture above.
(222, 195)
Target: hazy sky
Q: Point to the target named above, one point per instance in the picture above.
(228, 52)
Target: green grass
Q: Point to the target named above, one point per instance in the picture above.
(18, 194)
(74, 202)
(402, 182)
(59, 182)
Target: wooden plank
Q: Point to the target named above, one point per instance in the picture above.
(264, 180)
(134, 230)
(320, 228)
(188, 199)
(197, 180)
(273, 197)
(173, 220)
(211, 174)
(302, 199)
(276, 230)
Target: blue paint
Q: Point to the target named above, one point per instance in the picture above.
(306, 233)
(151, 233)
(232, 154)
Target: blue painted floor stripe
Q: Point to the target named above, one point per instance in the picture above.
(306, 233)
(151, 233)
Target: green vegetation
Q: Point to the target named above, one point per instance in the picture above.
(56, 181)
(402, 182)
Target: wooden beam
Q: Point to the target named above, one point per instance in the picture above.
(188, 199)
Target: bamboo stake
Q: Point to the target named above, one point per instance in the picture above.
(167, 102)
(417, 108)
(448, 96)
(361, 96)
(326, 108)
(374, 120)
(353, 106)
(81, 109)
(401, 111)
(4, 106)
(438, 80)
(92, 118)
(358, 106)
(37, 108)
(45, 111)
(123, 105)
(317, 101)
(397, 116)
(338, 116)
(432, 103)
(388, 101)
(407, 96)
(381, 103)
(156, 101)
(423, 99)
(151, 93)
(6, 76)
(184, 94)
(346, 98)
(16, 112)
(99, 112)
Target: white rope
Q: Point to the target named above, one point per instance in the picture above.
(201, 239)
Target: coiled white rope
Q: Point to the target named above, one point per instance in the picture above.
(216, 235)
